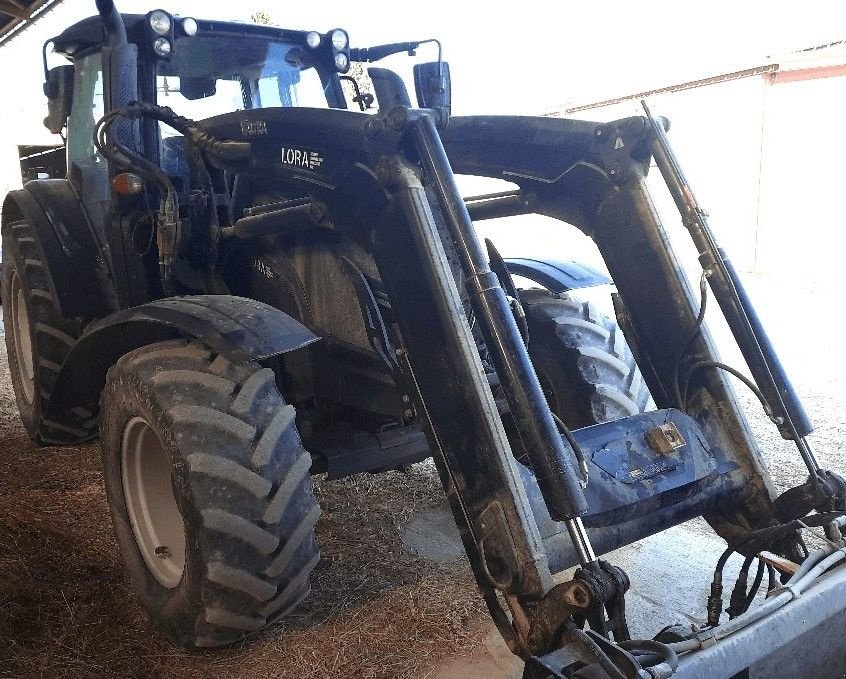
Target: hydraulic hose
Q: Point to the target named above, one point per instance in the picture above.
(604, 661)
(811, 560)
(820, 568)
(685, 646)
(639, 647)
(780, 598)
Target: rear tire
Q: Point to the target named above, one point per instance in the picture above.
(204, 468)
(38, 339)
(584, 365)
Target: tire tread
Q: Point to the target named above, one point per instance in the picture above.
(53, 336)
(249, 482)
(585, 356)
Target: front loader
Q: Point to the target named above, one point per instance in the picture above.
(242, 282)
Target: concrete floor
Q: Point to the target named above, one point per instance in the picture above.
(686, 554)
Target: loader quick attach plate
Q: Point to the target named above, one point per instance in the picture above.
(633, 474)
(647, 473)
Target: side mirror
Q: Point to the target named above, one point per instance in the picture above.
(197, 88)
(59, 92)
(432, 85)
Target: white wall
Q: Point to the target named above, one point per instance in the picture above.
(767, 162)
(716, 133)
(802, 223)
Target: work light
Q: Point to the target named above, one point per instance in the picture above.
(162, 47)
(160, 21)
(339, 39)
(189, 25)
(342, 61)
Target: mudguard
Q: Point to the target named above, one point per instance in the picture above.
(76, 270)
(556, 275)
(240, 329)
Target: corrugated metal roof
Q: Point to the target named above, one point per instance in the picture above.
(18, 15)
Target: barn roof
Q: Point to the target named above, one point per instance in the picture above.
(18, 15)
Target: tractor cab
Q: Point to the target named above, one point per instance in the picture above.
(203, 68)
(197, 68)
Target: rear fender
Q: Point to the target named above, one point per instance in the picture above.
(240, 329)
(76, 271)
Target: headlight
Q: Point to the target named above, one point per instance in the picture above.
(339, 39)
(189, 25)
(313, 39)
(342, 61)
(162, 47)
(160, 22)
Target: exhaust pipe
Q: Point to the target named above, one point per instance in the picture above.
(120, 69)
(112, 22)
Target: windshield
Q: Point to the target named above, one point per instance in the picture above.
(207, 76)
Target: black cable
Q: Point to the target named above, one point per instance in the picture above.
(681, 394)
(772, 583)
(700, 318)
(753, 543)
(737, 600)
(664, 629)
(722, 366)
(756, 585)
(123, 157)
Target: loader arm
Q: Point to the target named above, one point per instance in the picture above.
(592, 176)
(387, 182)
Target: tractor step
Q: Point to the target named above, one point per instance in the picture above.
(343, 451)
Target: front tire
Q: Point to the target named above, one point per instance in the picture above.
(209, 489)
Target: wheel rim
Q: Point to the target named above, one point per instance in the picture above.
(153, 514)
(23, 340)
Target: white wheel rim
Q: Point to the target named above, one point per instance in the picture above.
(22, 339)
(148, 492)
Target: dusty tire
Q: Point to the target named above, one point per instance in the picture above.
(38, 340)
(584, 365)
(239, 486)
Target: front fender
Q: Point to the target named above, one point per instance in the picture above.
(239, 328)
(76, 270)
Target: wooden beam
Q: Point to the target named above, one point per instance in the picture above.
(14, 9)
(679, 87)
(809, 73)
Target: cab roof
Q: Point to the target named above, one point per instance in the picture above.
(89, 33)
